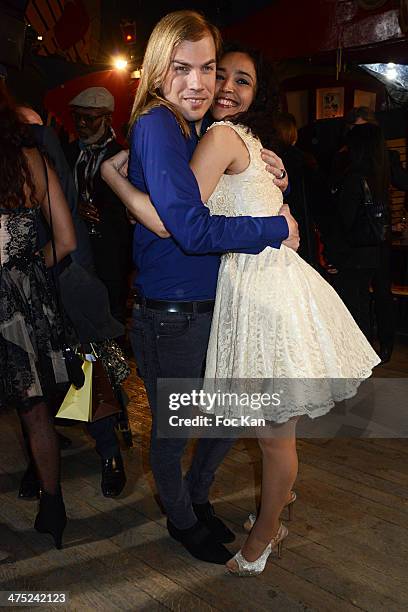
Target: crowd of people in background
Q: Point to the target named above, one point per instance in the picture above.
(68, 231)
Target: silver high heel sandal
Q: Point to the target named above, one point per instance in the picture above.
(253, 568)
(250, 522)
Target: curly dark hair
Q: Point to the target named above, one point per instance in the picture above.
(15, 172)
(259, 117)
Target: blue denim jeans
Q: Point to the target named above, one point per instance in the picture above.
(173, 345)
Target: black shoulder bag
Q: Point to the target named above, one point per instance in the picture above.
(73, 361)
(371, 225)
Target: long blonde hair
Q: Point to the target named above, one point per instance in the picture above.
(171, 30)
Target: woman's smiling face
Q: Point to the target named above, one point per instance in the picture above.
(235, 86)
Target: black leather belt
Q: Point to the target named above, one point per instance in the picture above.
(176, 307)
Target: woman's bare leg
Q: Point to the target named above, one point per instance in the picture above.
(279, 471)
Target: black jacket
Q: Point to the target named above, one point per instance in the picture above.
(111, 249)
(348, 198)
(112, 211)
(305, 198)
(48, 142)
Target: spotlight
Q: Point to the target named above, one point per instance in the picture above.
(120, 63)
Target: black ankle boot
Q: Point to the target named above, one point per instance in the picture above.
(200, 543)
(29, 485)
(51, 517)
(205, 513)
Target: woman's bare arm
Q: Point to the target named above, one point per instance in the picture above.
(63, 227)
(220, 149)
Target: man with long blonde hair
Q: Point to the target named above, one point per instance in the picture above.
(175, 287)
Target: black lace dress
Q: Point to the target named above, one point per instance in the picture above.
(31, 364)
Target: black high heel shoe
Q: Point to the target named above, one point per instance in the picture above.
(29, 485)
(51, 517)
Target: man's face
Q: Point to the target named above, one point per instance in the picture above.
(90, 122)
(190, 81)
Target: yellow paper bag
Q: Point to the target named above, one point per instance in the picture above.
(77, 404)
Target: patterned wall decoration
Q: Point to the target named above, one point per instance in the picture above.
(70, 28)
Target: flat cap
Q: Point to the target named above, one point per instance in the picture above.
(94, 97)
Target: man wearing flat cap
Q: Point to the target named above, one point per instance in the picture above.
(109, 233)
(108, 225)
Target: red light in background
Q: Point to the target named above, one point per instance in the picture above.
(129, 32)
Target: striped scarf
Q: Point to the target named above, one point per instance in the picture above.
(87, 164)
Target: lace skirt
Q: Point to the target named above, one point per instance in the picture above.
(31, 363)
(280, 329)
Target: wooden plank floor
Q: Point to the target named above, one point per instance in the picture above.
(347, 549)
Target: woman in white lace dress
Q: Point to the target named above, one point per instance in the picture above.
(275, 317)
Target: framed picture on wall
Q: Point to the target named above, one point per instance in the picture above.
(365, 98)
(329, 102)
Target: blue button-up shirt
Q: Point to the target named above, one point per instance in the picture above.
(184, 266)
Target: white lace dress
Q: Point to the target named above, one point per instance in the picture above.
(276, 321)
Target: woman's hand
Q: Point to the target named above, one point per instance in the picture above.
(275, 166)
